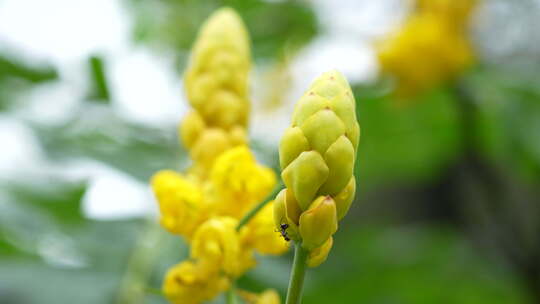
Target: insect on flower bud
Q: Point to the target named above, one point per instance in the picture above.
(286, 211)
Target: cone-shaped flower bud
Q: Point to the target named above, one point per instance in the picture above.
(318, 223)
(317, 152)
(217, 75)
(317, 155)
(216, 86)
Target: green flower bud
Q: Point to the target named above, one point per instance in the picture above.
(318, 151)
(318, 223)
(317, 155)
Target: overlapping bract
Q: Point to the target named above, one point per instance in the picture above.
(225, 181)
(317, 154)
(432, 47)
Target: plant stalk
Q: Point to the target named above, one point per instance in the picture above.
(298, 273)
(258, 208)
(231, 294)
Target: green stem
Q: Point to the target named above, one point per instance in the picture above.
(258, 208)
(140, 264)
(231, 294)
(298, 272)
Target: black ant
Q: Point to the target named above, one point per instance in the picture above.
(283, 232)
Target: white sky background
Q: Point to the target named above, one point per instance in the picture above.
(144, 85)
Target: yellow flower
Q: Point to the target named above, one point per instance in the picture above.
(181, 202)
(455, 11)
(186, 284)
(431, 48)
(269, 296)
(239, 182)
(260, 233)
(216, 246)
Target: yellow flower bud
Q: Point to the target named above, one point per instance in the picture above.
(318, 255)
(238, 136)
(191, 128)
(318, 223)
(186, 284)
(217, 75)
(209, 146)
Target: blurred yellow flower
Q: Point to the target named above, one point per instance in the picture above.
(216, 246)
(455, 11)
(181, 202)
(239, 181)
(431, 48)
(269, 296)
(185, 283)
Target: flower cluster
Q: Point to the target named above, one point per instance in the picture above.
(317, 154)
(432, 47)
(204, 205)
